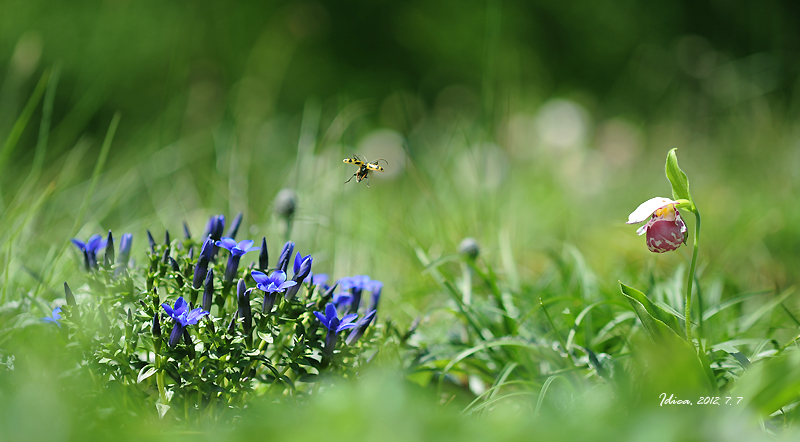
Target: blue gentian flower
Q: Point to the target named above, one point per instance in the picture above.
(201, 268)
(274, 283)
(334, 325)
(271, 285)
(285, 256)
(237, 250)
(375, 288)
(354, 284)
(90, 248)
(54, 317)
(182, 317)
(360, 328)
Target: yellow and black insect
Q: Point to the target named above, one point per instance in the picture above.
(364, 168)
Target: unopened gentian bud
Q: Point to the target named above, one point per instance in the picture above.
(190, 253)
(375, 288)
(69, 296)
(285, 256)
(124, 252)
(219, 227)
(329, 293)
(360, 328)
(232, 325)
(186, 233)
(165, 257)
(302, 273)
(109, 257)
(285, 203)
(263, 256)
(166, 237)
(177, 269)
(201, 267)
(208, 291)
(156, 328)
(243, 297)
(187, 341)
(152, 242)
(86, 261)
(469, 248)
(234, 229)
(175, 335)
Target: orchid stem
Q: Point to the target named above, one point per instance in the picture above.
(691, 276)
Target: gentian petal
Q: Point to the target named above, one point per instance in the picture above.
(226, 243)
(244, 245)
(286, 285)
(195, 315)
(321, 318)
(349, 318)
(278, 276)
(180, 305)
(259, 277)
(169, 310)
(647, 208)
(330, 311)
(79, 244)
(298, 259)
(345, 327)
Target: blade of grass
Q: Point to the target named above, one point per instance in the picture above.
(752, 319)
(543, 392)
(22, 121)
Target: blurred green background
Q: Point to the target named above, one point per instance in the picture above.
(535, 127)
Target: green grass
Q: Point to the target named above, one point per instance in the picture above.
(488, 359)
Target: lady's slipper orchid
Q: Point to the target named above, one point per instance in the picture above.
(665, 229)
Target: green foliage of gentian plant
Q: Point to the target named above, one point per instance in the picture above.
(194, 334)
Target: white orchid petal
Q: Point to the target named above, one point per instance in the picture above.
(647, 208)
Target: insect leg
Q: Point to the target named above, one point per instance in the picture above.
(351, 178)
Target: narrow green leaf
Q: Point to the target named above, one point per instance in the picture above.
(162, 409)
(22, 120)
(543, 392)
(145, 372)
(653, 310)
(678, 179)
(769, 385)
(764, 309)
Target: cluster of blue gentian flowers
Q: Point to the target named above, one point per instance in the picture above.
(341, 313)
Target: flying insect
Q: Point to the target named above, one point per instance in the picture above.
(364, 168)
